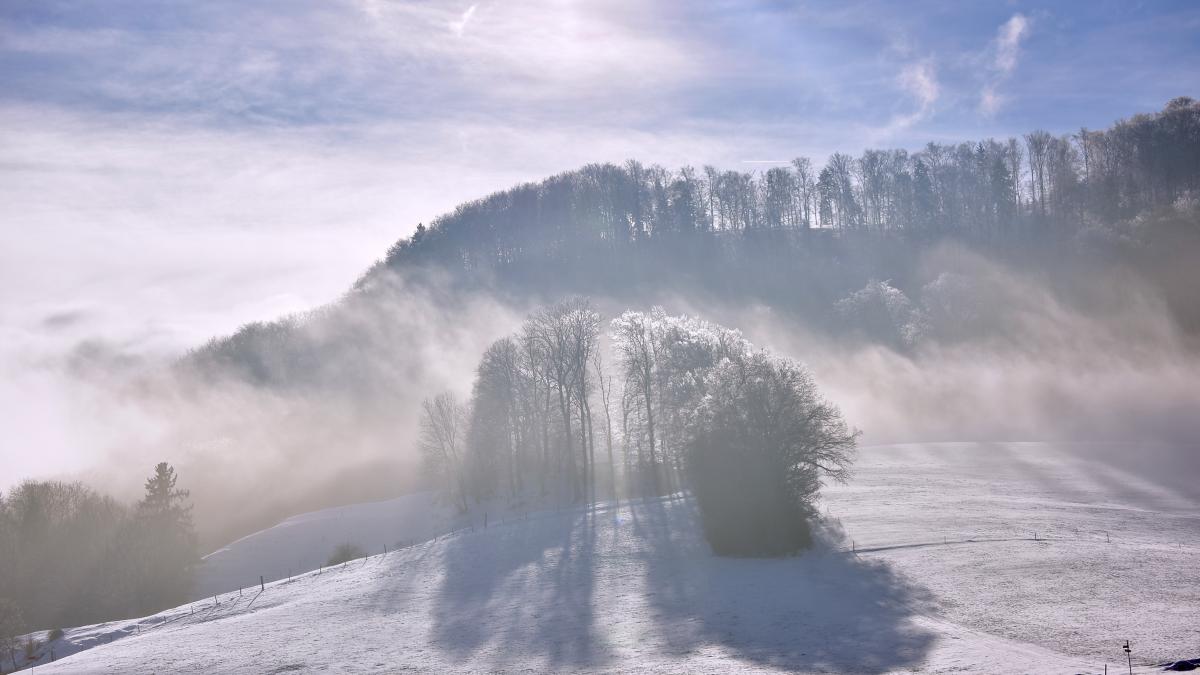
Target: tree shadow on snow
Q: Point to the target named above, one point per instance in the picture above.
(823, 610)
(520, 590)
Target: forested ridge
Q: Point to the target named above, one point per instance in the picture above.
(802, 238)
(831, 227)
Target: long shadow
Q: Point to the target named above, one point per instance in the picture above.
(814, 612)
(521, 588)
(1049, 480)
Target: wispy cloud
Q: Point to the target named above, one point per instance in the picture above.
(1008, 42)
(1006, 52)
(459, 26)
(919, 81)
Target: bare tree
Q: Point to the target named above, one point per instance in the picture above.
(634, 343)
(606, 385)
(567, 334)
(12, 625)
(1038, 143)
(806, 185)
(443, 433)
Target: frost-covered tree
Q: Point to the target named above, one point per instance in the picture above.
(633, 339)
(699, 408)
(882, 313)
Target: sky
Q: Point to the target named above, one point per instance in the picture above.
(170, 171)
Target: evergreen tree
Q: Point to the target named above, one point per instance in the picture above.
(164, 541)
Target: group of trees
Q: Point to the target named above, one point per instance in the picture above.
(530, 422)
(72, 556)
(688, 404)
(983, 190)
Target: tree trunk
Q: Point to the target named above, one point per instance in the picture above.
(583, 449)
(565, 406)
(650, 430)
(591, 436)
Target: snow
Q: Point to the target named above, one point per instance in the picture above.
(945, 577)
(304, 542)
(1116, 556)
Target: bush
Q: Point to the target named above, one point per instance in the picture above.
(762, 442)
(344, 553)
(743, 506)
(56, 634)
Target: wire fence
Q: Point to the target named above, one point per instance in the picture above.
(246, 596)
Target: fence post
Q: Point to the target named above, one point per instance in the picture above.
(262, 586)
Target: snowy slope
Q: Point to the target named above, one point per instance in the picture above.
(1116, 557)
(632, 588)
(304, 542)
(947, 578)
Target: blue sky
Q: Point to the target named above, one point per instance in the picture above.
(170, 170)
(827, 68)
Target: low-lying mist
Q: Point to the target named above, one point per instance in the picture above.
(321, 409)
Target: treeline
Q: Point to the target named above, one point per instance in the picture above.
(675, 403)
(71, 556)
(800, 238)
(1040, 184)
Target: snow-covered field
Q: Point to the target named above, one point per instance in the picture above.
(304, 542)
(1116, 557)
(947, 577)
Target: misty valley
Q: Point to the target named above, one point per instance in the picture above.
(930, 406)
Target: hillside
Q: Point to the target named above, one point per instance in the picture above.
(945, 576)
(304, 542)
(924, 265)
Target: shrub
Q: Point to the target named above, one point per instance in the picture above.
(56, 634)
(762, 442)
(344, 553)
